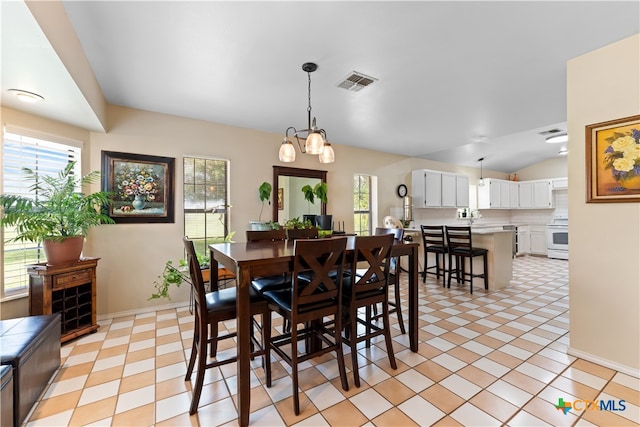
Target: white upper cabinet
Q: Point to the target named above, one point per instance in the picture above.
(435, 189)
(525, 194)
(503, 194)
(560, 183)
(494, 194)
(462, 191)
(514, 195)
(542, 194)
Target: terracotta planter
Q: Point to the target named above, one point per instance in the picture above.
(65, 251)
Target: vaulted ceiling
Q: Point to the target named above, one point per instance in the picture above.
(454, 81)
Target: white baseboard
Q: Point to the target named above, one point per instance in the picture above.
(604, 362)
(144, 310)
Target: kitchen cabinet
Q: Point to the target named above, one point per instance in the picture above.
(560, 183)
(542, 194)
(495, 194)
(525, 195)
(538, 239)
(514, 195)
(435, 189)
(524, 245)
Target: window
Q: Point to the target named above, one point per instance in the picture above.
(22, 149)
(205, 191)
(362, 204)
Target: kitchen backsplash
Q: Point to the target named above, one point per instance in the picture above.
(446, 216)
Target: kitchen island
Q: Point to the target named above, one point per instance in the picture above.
(496, 240)
(499, 243)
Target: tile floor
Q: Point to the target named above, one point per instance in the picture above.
(495, 358)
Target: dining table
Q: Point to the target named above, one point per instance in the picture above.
(268, 258)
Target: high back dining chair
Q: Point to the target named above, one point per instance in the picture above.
(365, 290)
(314, 302)
(460, 249)
(215, 307)
(433, 239)
(394, 275)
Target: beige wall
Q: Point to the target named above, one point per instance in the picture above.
(133, 255)
(604, 238)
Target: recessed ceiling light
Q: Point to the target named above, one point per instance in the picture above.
(563, 151)
(26, 96)
(557, 138)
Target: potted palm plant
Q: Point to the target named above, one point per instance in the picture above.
(324, 222)
(59, 216)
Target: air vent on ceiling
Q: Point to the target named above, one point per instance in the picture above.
(551, 132)
(356, 81)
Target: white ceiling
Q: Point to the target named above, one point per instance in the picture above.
(456, 80)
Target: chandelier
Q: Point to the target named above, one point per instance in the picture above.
(315, 139)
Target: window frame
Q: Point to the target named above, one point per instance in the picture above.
(360, 212)
(202, 241)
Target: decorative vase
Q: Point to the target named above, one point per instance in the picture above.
(631, 183)
(138, 202)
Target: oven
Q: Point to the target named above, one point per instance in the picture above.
(558, 238)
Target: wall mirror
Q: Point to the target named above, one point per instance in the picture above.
(288, 199)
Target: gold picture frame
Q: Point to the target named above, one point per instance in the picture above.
(280, 199)
(613, 161)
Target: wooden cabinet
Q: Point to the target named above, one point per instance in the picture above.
(435, 189)
(66, 289)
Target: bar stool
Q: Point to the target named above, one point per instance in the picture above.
(460, 247)
(433, 239)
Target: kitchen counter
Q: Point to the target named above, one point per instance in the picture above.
(497, 241)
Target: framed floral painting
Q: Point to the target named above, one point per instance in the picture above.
(141, 187)
(613, 161)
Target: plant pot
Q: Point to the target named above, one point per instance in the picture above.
(324, 222)
(64, 251)
(259, 226)
(310, 218)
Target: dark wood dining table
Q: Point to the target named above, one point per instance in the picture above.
(268, 258)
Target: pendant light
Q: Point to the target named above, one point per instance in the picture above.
(316, 139)
(481, 180)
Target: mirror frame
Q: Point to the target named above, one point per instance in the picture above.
(279, 171)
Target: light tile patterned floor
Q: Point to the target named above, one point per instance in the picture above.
(496, 358)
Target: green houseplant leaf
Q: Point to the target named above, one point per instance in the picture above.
(59, 210)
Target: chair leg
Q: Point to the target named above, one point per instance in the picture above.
(450, 271)
(202, 356)
(353, 331)
(387, 338)
(194, 351)
(266, 345)
(486, 272)
(337, 336)
(213, 340)
(398, 306)
(471, 275)
(294, 369)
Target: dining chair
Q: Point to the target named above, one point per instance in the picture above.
(211, 308)
(366, 290)
(460, 249)
(394, 276)
(270, 283)
(433, 239)
(313, 302)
